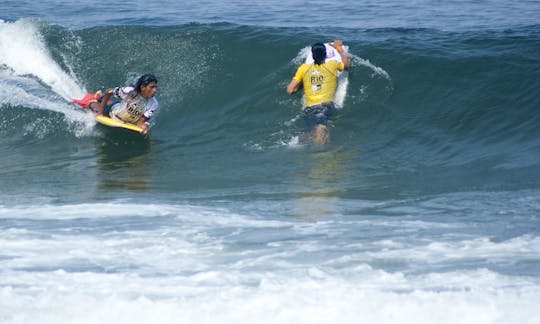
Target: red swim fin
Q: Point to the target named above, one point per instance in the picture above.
(86, 100)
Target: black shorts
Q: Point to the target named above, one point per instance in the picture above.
(319, 114)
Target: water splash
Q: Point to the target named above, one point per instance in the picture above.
(25, 53)
(28, 73)
(304, 55)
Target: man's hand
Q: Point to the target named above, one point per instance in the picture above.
(337, 44)
(145, 128)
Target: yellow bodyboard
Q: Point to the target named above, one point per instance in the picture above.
(117, 123)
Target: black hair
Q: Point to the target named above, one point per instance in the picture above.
(318, 50)
(144, 80)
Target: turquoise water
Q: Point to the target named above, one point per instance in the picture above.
(423, 207)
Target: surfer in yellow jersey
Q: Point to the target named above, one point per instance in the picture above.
(138, 103)
(319, 81)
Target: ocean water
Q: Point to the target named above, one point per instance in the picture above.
(423, 208)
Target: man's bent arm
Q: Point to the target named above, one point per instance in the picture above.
(338, 45)
(293, 87)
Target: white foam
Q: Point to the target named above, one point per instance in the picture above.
(28, 73)
(25, 52)
(214, 297)
(123, 262)
(522, 247)
(376, 69)
(277, 140)
(12, 93)
(119, 209)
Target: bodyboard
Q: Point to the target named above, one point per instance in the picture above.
(103, 120)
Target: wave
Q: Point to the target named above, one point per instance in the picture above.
(415, 98)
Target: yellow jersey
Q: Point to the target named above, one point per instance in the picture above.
(319, 81)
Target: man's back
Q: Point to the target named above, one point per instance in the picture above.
(319, 81)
